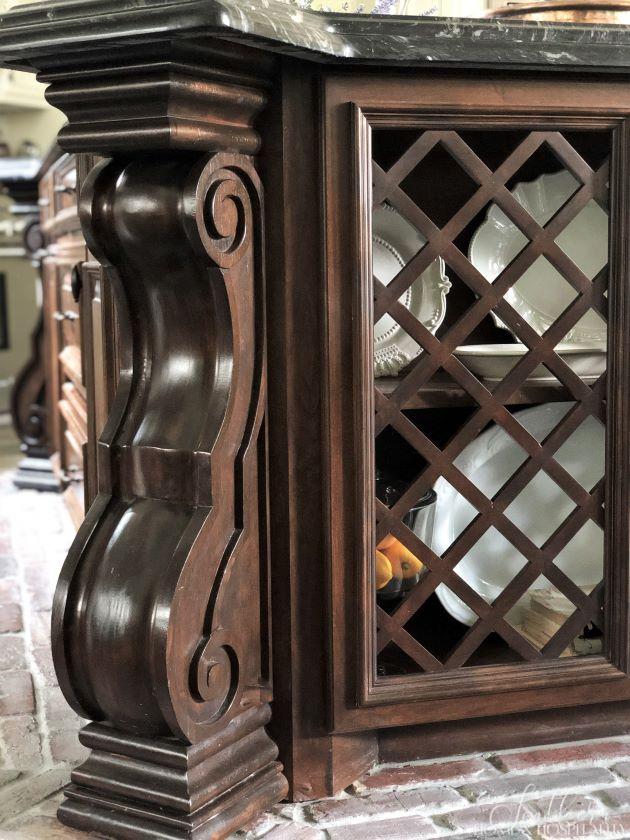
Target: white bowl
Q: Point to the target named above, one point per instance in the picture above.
(494, 361)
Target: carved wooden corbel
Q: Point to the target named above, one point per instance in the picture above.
(160, 618)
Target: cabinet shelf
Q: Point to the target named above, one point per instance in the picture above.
(444, 393)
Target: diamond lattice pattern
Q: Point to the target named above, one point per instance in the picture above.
(491, 512)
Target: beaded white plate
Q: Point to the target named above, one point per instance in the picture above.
(395, 242)
(489, 461)
(541, 294)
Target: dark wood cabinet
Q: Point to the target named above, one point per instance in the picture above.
(411, 662)
(357, 421)
(80, 336)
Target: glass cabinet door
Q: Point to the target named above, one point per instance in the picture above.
(490, 266)
(490, 388)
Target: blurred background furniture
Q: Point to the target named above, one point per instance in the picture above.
(567, 11)
(20, 178)
(79, 337)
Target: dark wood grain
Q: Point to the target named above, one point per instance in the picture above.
(224, 572)
(160, 622)
(353, 105)
(317, 762)
(525, 729)
(66, 397)
(186, 466)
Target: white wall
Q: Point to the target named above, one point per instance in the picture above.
(7, 4)
(40, 125)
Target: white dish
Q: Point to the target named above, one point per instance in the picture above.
(394, 243)
(493, 362)
(538, 510)
(541, 295)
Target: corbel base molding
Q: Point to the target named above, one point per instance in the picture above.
(136, 787)
(36, 473)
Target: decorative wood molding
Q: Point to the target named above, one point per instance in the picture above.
(147, 787)
(193, 97)
(157, 625)
(160, 625)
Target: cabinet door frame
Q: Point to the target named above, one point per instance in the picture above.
(352, 105)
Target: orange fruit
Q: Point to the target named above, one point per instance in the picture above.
(400, 557)
(386, 542)
(396, 567)
(383, 570)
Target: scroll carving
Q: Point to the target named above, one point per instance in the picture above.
(157, 619)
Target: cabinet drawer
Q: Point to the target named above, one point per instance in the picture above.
(69, 306)
(70, 361)
(46, 202)
(75, 411)
(64, 185)
(72, 455)
(70, 330)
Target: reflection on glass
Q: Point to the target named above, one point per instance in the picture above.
(505, 433)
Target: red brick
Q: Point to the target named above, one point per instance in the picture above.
(293, 831)
(50, 806)
(593, 828)
(530, 785)
(329, 811)
(619, 797)
(501, 834)
(39, 588)
(622, 769)
(11, 618)
(9, 591)
(567, 805)
(261, 825)
(44, 661)
(65, 746)
(8, 565)
(16, 693)
(408, 828)
(29, 790)
(39, 625)
(413, 775)
(601, 752)
(491, 817)
(12, 653)
(46, 828)
(59, 715)
(20, 734)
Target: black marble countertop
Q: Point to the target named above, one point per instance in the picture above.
(85, 24)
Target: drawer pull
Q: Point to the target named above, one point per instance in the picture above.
(74, 475)
(66, 316)
(76, 283)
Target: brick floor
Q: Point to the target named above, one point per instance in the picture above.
(38, 731)
(579, 790)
